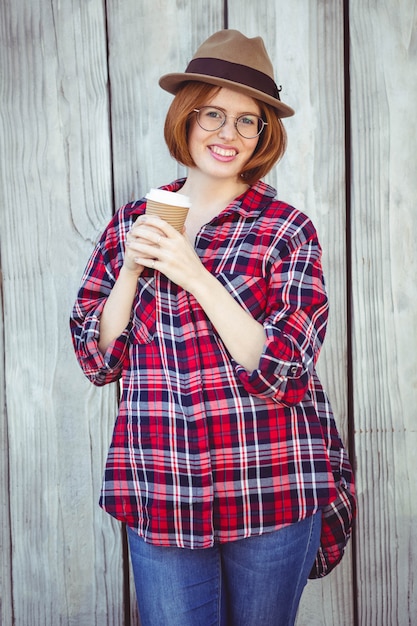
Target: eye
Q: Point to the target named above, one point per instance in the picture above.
(248, 120)
(215, 114)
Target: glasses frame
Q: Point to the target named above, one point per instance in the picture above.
(197, 111)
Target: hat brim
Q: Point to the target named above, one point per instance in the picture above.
(172, 83)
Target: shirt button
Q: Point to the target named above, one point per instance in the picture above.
(294, 369)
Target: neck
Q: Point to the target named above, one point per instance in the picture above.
(204, 191)
(208, 198)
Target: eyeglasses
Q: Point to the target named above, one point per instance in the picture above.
(248, 126)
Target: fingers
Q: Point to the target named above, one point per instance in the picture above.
(148, 235)
(147, 224)
(143, 233)
(142, 244)
(155, 244)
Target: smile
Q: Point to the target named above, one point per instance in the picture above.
(223, 152)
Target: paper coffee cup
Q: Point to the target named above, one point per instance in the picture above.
(170, 206)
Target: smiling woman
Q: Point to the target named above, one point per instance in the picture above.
(225, 447)
(223, 145)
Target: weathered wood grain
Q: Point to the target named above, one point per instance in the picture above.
(305, 42)
(56, 167)
(384, 268)
(5, 539)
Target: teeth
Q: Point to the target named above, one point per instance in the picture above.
(223, 152)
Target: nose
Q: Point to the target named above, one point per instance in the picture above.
(228, 130)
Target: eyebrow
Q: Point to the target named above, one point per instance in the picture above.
(216, 106)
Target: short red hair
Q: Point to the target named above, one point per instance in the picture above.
(192, 95)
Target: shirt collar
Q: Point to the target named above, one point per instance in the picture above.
(249, 204)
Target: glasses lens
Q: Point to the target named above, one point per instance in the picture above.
(210, 118)
(249, 126)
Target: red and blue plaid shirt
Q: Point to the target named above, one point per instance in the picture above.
(204, 451)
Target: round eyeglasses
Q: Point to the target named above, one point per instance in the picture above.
(248, 125)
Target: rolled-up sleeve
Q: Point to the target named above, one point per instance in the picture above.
(100, 369)
(297, 311)
(96, 285)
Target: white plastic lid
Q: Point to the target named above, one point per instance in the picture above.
(168, 197)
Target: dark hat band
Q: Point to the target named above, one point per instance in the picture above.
(242, 74)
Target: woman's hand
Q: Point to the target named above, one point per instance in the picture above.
(131, 250)
(154, 243)
(118, 307)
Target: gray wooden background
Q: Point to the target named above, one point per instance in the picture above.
(81, 119)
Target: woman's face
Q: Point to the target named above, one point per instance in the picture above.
(223, 153)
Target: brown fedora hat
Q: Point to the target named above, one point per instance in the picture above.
(229, 59)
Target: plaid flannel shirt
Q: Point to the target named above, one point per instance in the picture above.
(204, 451)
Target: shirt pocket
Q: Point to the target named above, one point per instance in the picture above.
(249, 291)
(143, 316)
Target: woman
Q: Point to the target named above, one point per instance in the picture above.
(225, 453)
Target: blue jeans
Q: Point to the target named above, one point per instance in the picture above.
(251, 582)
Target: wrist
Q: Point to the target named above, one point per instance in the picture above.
(203, 285)
(131, 273)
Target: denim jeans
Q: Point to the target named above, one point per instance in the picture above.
(251, 582)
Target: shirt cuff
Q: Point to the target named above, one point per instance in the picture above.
(102, 369)
(281, 374)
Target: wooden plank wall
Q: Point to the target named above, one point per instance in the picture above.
(81, 119)
(384, 299)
